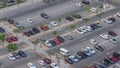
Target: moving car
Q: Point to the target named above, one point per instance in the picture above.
(44, 15)
(31, 65)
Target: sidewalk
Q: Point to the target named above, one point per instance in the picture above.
(28, 2)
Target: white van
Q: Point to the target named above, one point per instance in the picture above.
(64, 51)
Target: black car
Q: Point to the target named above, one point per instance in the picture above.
(95, 26)
(98, 47)
(69, 61)
(60, 38)
(112, 19)
(2, 30)
(52, 42)
(22, 53)
(27, 34)
(77, 16)
(11, 21)
(99, 66)
(69, 18)
(82, 54)
(85, 2)
(11, 1)
(36, 30)
(44, 15)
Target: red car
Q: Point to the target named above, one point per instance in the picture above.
(112, 33)
(56, 40)
(92, 66)
(13, 38)
(114, 58)
(47, 61)
(8, 40)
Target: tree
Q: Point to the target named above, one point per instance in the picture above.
(12, 47)
(54, 33)
(18, 2)
(59, 19)
(99, 16)
(2, 38)
(87, 8)
(73, 15)
(85, 19)
(4, 5)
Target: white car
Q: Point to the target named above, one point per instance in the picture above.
(105, 36)
(11, 57)
(118, 14)
(92, 51)
(31, 65)
(54, 65)
(73, 58)
(88, 28)
(54, 23)
(94, 42)
(88, 53)
(41, 62)
(47, 43)
(79, 31)
(93, 9)
(79, 4)
(29, 20)
(105, 6)
(83, 28)
(114, 41)
(108, 21)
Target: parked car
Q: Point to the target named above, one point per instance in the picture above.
(8, 40)
(45, 28)
(112, 33)
(93, 9)
(79, 31)
(98, 47)
(105, 36)
(95, 26)
(85, 2)
(17, 24)
(64, 52)
(11, 57)
(44, 15)
(82, 54)
(2, 30)
(17, 56)
(78, 16)
(22, 53)
(36, 30)
(47, 61)
(114, 41)
(60, 39)
(54, 23)
(29, 20)
(74, 58)
(110, 20)
(69, 61)
(79, 4)
(41, 62)
(93, 41)
(49, 43)
(54, 65)
(56, 41)
(69, 18)
(69, 37)
(112, 57)
(31, 65)
(105, 6)
(13, 38)
(118, 14)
